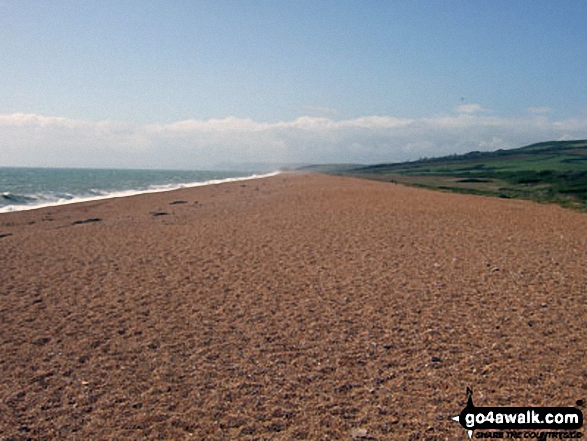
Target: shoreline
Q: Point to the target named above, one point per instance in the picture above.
(301, 306)
(131, 192)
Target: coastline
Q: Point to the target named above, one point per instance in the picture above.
(298, 306)
(133, 192)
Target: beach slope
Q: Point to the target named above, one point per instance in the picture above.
(294, 307)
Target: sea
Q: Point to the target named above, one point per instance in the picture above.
(30, 188)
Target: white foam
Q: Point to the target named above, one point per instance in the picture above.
(126, 193)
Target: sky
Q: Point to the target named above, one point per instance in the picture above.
(205, 84)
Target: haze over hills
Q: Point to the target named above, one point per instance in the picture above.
(554, 171)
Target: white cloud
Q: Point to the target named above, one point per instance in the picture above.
(471, 108)
(34, 140)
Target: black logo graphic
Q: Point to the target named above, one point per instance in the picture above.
(518, 418)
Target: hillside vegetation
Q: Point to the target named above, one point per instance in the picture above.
(553, 171)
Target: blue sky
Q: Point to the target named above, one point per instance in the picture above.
(134, 68)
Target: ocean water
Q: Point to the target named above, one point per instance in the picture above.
(28, 188)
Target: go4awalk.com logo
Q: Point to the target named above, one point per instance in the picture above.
(520, 422)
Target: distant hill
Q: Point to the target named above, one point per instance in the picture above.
(328, 168)
(554, 171)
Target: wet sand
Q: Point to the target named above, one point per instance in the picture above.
(293, 307)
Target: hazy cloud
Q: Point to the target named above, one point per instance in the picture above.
(471, 108)
(319, 111)
(34, 140)
(539, 109)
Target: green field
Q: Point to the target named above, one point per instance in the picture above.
(546, 172)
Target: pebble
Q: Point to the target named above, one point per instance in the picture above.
(359, 433)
